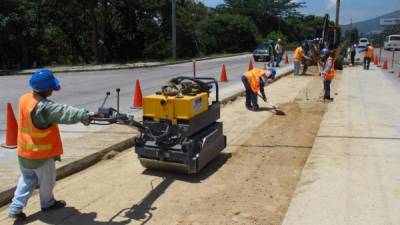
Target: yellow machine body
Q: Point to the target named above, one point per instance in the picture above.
(174, 108)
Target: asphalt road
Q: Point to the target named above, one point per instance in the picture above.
(87, 89)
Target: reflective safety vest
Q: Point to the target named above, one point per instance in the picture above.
(331, 73)
(253, 77)
(370, 52)
(298, 54)
(34, 143)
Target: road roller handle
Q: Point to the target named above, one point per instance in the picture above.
(109, 115)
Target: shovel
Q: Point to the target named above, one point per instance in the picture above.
(274, 107)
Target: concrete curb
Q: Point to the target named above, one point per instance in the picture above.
(92, 159)
(13, 72)
(76, 166)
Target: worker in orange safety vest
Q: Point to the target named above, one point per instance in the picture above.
(300, 57)
(254, 81)
(368, 55)
(39, 142)
(328, 72)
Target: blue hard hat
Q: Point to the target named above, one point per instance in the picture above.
(325, 52)
(44, 80)
(272, 73)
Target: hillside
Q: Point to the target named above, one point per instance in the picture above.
(371, 24)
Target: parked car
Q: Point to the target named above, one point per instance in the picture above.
(392, 42)
(362, 43)
(262, 53)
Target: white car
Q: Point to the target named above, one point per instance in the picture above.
(392, 42)
(362, 43)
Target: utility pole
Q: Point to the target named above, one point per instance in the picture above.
(173, 29)
(336, 38)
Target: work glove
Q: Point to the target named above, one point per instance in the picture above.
(87, 119)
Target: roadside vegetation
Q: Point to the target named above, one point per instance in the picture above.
(378, 39)
(48, 32)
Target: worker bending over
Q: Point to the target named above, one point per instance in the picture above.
(39, 142)
(328, 72)
(254, 81)
(300, 57)
(368, 55)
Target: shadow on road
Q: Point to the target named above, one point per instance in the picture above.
(273, 146)
(272, 110)
(143, 211)
(67, 216)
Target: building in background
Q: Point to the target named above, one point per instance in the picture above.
(389, 21)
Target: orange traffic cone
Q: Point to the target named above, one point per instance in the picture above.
(223, 77)
(376, 60)
(385, 64)
(137, 99)
(286, 59)
(11, 129)
(251, 65)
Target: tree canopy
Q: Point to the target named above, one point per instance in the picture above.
(47, 32)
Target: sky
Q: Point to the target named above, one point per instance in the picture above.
(355, 10)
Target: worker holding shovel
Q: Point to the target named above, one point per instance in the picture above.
(254, 81)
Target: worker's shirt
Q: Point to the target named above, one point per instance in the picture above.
(298, 54)
(328, 69)
(47, 113)
(271, 50)
(279, 48)
(368, 51)
(353, 49)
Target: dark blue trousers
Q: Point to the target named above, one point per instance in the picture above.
(251, 97)
(327, 89)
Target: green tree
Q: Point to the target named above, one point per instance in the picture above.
(266, 14)
(378, 39)
(228, 33)
(275, 35)
(46, 32)
(299, 27)
(351, 35)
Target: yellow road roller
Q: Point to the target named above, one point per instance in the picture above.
(180, 131)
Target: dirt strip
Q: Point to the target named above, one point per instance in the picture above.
(251, 182)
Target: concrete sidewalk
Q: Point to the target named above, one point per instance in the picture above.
(85, 145)
(352, 175)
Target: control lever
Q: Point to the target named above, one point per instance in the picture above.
(105, 99)
(118, 90)
(113, 116)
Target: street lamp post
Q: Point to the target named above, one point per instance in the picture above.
(336, 38)
(173, 29)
